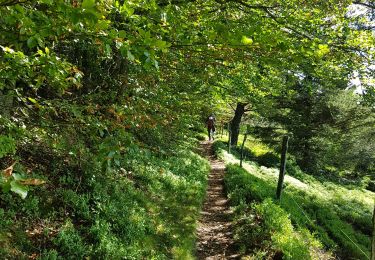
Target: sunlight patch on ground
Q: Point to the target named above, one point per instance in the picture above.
(265, 173)
(324, 191)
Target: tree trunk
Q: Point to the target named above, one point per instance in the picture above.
(235, 123)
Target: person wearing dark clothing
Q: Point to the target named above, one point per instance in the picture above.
(211, 127)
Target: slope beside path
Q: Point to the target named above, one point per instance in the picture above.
(214, 233)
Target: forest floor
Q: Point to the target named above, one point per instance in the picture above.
(214, 232)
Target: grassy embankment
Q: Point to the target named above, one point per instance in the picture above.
(338, 216)
(141, 205)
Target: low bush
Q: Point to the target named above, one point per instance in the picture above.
(340, 217)
(263, 227)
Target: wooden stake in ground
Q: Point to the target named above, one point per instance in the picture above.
(229, 137)
(282, 167)
(243, 144)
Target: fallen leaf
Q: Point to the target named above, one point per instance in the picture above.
(34, 182)
(8, 171)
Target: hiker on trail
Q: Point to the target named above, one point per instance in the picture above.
(211, 126)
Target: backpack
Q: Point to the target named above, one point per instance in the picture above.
(211, 122)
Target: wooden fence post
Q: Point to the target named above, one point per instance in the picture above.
(229, 137)
(282, 167)
(243, 144)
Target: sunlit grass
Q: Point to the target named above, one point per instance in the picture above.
(327, 191)
(147, 209)
(339, 214)
(256, 145)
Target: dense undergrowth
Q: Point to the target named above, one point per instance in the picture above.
(338, 216)
(98, 99)
(138, 204)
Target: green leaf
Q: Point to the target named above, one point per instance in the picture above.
(156, 64)
(121, 34)
(18, 188)
(47, 2)
(323, 49)
(130, 56)
(91, 16)
(117, 162)
(108, 49)
(17, 177)
(88, 4)
(246, 40)
(32, 100)
(102, 25)
(4, 184)
(160, 44)
(31, 42)
(39, 40)
(127, 10)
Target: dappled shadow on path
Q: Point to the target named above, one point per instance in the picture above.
(214, 233)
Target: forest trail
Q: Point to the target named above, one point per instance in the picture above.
(214, 232)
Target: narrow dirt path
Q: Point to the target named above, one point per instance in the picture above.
(214, 231)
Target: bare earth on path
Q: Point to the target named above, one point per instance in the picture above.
(214, 232)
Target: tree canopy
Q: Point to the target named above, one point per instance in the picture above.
(86, 83)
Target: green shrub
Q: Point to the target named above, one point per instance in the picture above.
(266, 228)
(144, 206)
(49, 255)
(69, 243)
(217, 146)
(267, 225)
(276, 221)
(242, 186)
(327, 209)
(200, 136)
(7, 145)
(292, 168)
(268, 159)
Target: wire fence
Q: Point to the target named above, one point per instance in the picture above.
(299, 207)
(346, 235)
